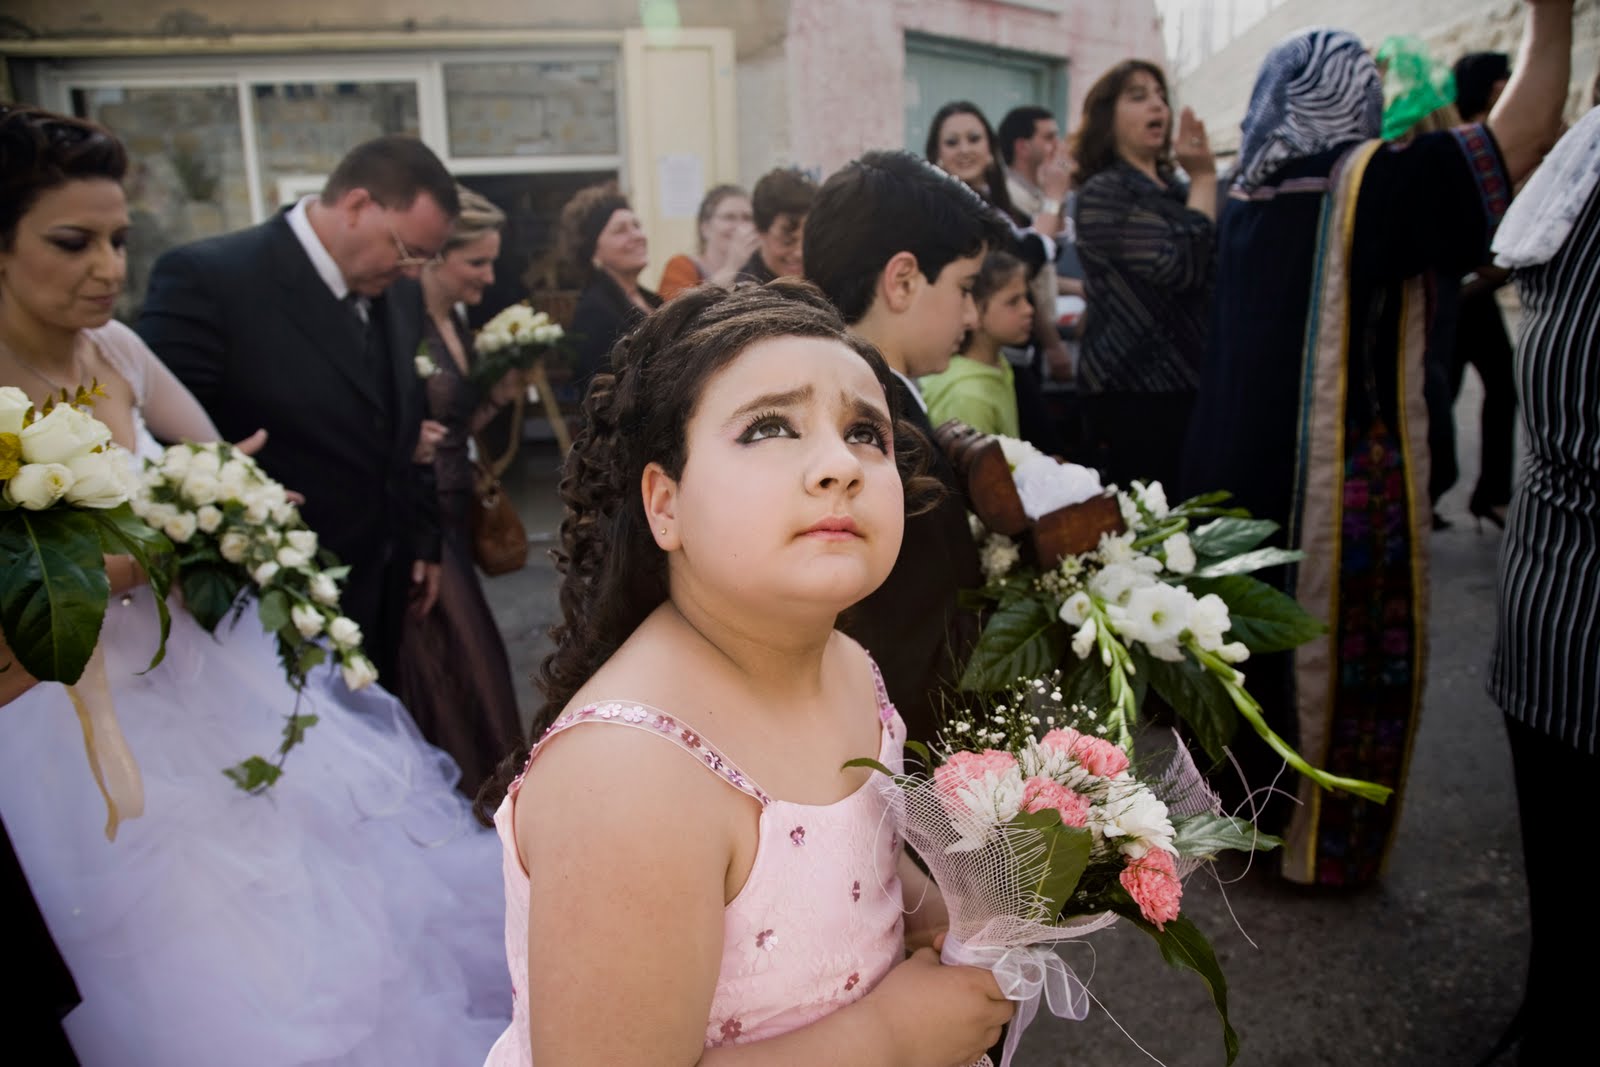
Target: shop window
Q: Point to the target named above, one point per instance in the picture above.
(531, 108)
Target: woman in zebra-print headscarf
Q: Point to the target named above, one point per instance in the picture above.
(1310, 405)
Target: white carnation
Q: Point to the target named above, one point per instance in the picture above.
(1131, 814)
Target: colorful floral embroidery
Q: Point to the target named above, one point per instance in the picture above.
(767, 939)
(798, 835)
(731, 1029)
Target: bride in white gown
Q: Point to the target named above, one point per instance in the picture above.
(350, 915)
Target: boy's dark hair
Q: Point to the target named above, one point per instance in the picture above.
(40, 150)
(613, 573)
(394, 170)
(784, 191)
(885, 203)
(1020, 124)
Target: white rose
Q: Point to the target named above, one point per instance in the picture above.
(175, 462)
(64, 433)
(425, 366)
(235, 546)
(257, 506)
(206, 459)
(38, 485)
(99, 479)
(208, 519)
(158, 514)
(358, 672)
(292, 557)
(233, 479)
(180, 527)
(324, 590)
(345, 632)
(1180, 554)
(302, 540)
(547, 334)
(307, 619)
(265, 573)
(201, 487)
(14, 405)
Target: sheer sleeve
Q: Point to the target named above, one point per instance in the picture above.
(170, 411)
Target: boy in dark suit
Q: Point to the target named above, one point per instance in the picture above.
(292, 326)
(896, 244)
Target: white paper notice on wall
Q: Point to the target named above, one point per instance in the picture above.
(680, 182)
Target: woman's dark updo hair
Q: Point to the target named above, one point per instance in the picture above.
(41, 150)
(613, 574)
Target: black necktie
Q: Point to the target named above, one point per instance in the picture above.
(371, 358)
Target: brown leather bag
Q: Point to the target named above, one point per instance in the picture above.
(499, 541)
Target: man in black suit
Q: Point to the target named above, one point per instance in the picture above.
(307, 326)
(896, 245)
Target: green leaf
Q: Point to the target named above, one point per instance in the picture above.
(121, 531)
(253, 774)
(294, 731)
(1204, 500)
(1205, 835)
(210, 591)
(1222, 538)
(53, 599)
(1196, 696)
(1023, 639)
(274, 610)
(311, 655)
(920, 750)
(1246, 562)
(1263, 619)
(1066, 855)
(870, 764)
(1185, 947)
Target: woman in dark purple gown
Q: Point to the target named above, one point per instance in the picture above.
(454, 674)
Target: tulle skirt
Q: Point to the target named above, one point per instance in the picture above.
(351, 915)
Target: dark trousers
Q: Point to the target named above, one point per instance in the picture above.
(1138, 435)
(1480, 340)
(1555, 787)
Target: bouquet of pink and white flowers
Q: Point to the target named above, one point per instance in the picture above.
(1038, 829)
(237, 532)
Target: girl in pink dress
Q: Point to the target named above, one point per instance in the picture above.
(692, 875)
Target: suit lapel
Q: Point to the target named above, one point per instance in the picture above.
(399, 313)
(330, 327)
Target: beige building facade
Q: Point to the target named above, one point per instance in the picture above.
(233, 108)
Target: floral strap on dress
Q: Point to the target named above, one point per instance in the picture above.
(644, 717)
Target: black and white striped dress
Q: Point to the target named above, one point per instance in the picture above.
(1546, 667)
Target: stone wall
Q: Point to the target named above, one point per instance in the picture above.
(1219, 89)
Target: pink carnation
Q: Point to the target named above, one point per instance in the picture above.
(1041, 793)
(1152, 882)
(964, 767)
(1097, 755)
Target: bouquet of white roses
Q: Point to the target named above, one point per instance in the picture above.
(64, 491)
(1127, 592)
(1039, 830)
(512, 340)
(236, 532)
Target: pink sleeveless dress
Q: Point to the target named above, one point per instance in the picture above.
(818, 923)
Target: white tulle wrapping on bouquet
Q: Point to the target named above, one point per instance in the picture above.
(998, 918)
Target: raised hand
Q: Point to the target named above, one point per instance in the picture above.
(1191, 147)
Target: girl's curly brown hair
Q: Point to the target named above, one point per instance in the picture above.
(613, 574)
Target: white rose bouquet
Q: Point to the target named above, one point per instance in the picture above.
(1125, 592)
(237, 532)
(64, 506)
(513, 340)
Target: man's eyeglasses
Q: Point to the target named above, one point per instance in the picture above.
(407, 258)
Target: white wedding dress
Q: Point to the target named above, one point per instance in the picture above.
(352, 915)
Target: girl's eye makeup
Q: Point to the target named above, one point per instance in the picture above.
(869, 432)
(767, 426)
